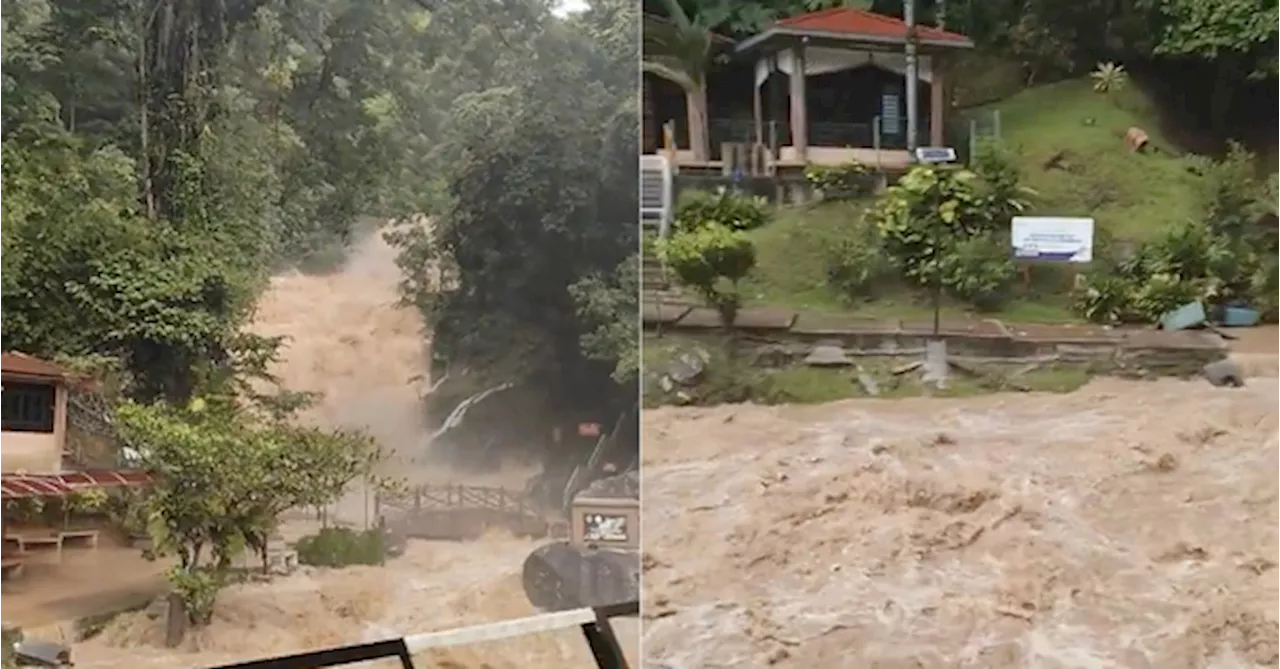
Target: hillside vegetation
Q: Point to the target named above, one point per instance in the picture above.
(1068, 144)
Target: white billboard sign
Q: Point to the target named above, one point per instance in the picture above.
(1052, 239)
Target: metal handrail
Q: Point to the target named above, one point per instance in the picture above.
(594, 623)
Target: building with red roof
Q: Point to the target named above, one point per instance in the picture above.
(824, 88)
(33, 437)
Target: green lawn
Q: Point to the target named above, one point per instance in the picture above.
(1131, 196)
(791, 271)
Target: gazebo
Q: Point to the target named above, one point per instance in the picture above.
(869, 103)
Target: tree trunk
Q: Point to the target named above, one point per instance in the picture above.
(1224, 86)
(144, 122)
(696, 104)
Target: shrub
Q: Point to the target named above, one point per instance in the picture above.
(923, 215)
(978, 270)
(1103, 298)
(843, 182)
(736, 211)
(712, 259)
(343, 547)
(1002, 195)
(1162, 292)
(858, 264)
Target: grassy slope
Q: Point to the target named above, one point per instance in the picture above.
(1132, 196)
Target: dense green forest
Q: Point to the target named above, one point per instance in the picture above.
(1212, 63)
(163, 157)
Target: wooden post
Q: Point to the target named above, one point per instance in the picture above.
(757, 103)
(937, 103)
(799, 111)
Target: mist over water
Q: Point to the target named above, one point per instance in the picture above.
(351, 341)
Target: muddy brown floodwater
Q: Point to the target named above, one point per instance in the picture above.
(1128, 525)
(369, 357)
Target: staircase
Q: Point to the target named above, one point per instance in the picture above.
(657, 286)
(657, 195)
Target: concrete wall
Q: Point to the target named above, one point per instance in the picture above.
(34, 452)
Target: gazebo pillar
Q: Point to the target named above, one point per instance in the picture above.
(937, 103)
(757, 101)
(799, 110)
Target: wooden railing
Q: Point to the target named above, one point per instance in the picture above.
(457, 496)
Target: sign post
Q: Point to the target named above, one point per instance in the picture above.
(1054, 239)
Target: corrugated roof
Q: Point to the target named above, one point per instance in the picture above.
(857, 22)
(19, 486)
(21, 364)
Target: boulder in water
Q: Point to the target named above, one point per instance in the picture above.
(1224, 374)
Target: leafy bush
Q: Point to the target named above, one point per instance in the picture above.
(859, 264)
(1002, 195)
(978, 270)
(708, 258)
(920, 218)
(1161, 293)
(1103, 298)
(736, 211)
(198, 588)
(843, 182)
(343, 547)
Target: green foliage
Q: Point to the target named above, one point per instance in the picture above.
(610, 305)
(1002, 194)
(1226, 257)
(198, 588)
(712, 259)
(1243, 32)
(922, 216)
(978, 270)
(1103, 298)
(944, 229)
(223, 475)
(841, 182)
(1109, 77)
(1189, 262)
(733, 210)
(858, 265)
(343, 547)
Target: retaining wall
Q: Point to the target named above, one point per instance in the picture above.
(784, 336)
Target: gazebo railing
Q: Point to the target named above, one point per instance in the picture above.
(877, 132)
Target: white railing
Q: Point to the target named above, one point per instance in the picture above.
(593, 621)
(657, 192)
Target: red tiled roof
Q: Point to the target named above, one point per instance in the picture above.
(856, 22)
(18, 486)
(24, 365)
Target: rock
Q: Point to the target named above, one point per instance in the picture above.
(1224, 373)
(688, 366)
(868, 383)
(828, 354)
